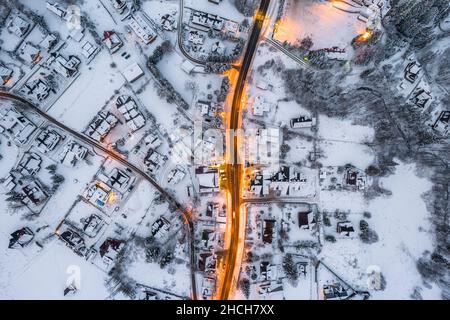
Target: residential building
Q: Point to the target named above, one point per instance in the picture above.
(442, 124)
(29, 53)
(303, 122)
(5, 75)
(18, 25)
(63, 66)
(142, 29)
(208, 179)
(112, 41)
(16, 126)
(345, 228)
(101, 125)
(47, 140)
(132, 72)
(130, 111)
(412, 71)
(88, 50)
(195, 37)
(71, 153)
(20, 238)
(37, 89)
(56, 9)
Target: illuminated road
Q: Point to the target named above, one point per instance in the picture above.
(235, 233)
(168, 197)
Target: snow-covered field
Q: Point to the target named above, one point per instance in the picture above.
(402, 224)
(326, 25)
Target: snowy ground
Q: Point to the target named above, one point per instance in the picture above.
(326, 25)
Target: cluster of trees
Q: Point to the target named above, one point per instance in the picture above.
(289, 267)
(57, 179)
(244, 285)
(165, 88)
(416, 20)
(217, 67)
(367, 235)
(246, 7)
(224, 87)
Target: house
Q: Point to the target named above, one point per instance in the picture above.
(71, 153)
(195, 37)
(208, 286)
(118, 179)
(187, 66)
(30, 164)
(56, 9)
(260, 106)
(263, 85)
(63, 66)
(421, 98)
(74, 241)
(18, 25)
(412, 71)
(268, 230)
(48, 42)
(112, 41)
(109, 249)
(207, 261)
(176, 175)
(88, 50)
(119, 5)
(334, 291)
(231, 28)
(37, 89)
(303, 122)
(132, 72)
(9, 182)
(129, 109)
(5, 75)
(205, 108)
(168, 22)
(92, 225)
(208, 179)
(77, 34)
(207, 20)
(306, 220)
(152, 141)
(272, 288)
(345, 228)
(47, 140)
(267, 271)
(215, 211)
(160, 228)
(302, 267)
(20, 238)
(154, 160)
(101, 125)
(29, 53)
(217, 48)
(16, 126)
(142, 29)
(98, 194)
(442, 124)
(354, 178)
(33, 193)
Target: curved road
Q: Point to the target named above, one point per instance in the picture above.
(234, 169)
(118, 158)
